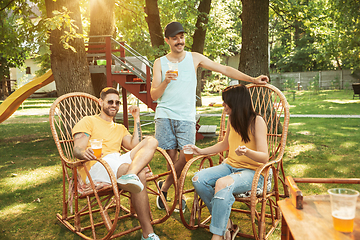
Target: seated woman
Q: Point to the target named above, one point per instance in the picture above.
(246, 140)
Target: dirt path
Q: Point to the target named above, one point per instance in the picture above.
(15, 120)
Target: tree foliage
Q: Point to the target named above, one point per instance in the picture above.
(69, 66)
(224, 29)
(62, 21)
(18, 31)
(303, 35)
(346, 14)
(314, 35)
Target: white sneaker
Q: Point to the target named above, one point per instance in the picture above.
(183, 203)
(151, 236)
(131, 183)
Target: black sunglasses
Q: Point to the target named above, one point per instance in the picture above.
(111, 102)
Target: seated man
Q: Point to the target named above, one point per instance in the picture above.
(128, 168)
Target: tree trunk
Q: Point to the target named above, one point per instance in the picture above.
(254, 50)
(199, 40)
(70, 69)
(153, 21)
(254, 57)
(102, 22)
(4, 76)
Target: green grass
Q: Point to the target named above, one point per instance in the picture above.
(336, 102)
(30, 169)
(36, 103)
(325, 102)
(324, 148)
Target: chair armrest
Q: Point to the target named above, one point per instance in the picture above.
(296, 195)
(198, 157)
(265, 168)
(110, 172)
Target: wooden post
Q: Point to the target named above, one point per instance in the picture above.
(148, 86)
(341, 79)
(125, 112)
(122, 52)
(108, 61)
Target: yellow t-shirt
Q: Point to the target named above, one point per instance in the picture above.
(111, 133)
(236, 161)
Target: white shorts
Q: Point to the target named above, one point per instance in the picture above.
(98, 171)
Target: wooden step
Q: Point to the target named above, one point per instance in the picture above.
(123, 73)
(208, 130)
(91, 55)
(135, 82)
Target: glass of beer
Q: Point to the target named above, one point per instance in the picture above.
(96, 146)
(173, 67)
(343, 208)
(188, 152)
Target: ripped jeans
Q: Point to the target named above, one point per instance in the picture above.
(220, 204)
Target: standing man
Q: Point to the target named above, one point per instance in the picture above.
(176, 98)
(129, 167)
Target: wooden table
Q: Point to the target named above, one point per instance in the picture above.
(314, 221)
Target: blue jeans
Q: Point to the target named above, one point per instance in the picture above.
(220, 204)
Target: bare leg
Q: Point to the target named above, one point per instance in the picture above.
(122, 169)
(140, 155)
(216, 237)
(140, 202)
(223, 182)
(178, 164)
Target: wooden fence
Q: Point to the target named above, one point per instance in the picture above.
(341, 79)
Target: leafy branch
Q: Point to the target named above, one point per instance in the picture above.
(63, 22)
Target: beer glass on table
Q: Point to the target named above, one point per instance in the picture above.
(343, 208)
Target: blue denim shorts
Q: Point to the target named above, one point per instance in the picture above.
(174, 134)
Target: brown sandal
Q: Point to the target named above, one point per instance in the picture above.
(233, 229)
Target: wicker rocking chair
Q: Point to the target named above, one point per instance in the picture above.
(259, 205)
(95, 210)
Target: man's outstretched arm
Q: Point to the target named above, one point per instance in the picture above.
(202, 61)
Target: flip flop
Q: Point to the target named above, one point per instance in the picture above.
(233, 229)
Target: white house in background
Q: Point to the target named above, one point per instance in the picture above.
(26, 73)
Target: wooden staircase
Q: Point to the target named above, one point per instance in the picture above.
(123, 65)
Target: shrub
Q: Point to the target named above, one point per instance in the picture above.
(314, 84)
(216, 83)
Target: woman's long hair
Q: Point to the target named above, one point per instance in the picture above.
(242, 117)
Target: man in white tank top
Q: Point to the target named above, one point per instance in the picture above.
(175, 93)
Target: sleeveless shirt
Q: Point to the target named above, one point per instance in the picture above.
(236, 161)
(178, 101)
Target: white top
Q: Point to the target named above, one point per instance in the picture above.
(179, 99)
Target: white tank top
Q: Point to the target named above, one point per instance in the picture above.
(179, 99)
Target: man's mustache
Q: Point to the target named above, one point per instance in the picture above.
(179, 44)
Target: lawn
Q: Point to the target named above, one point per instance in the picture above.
(30, 170)
(323, 102)
(336, 102)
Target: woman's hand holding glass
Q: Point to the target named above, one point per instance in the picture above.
(195, 149)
